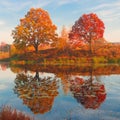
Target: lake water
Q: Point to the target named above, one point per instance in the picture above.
(62, 92)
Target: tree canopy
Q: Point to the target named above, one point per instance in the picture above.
(35, 28)
(86, 29)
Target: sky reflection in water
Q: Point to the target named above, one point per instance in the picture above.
(62, 94)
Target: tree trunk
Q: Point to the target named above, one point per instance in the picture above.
(25, 51)
(91, 49)
(36, 48)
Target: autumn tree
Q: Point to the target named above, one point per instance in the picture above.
(64, 33)
(62, 41)
(34, 29)
(86, 29)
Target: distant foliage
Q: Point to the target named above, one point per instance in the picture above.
(63, 39)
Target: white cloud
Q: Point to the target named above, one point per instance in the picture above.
(5, 3)
(108, 11)
(115, 4)
(2, 23)
(44, 3)
(41, 3)
(109, 15)
(9, 6)
(62, 2)
(14, 6)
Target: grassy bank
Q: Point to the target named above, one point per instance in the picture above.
(56, 57)
(67, 61)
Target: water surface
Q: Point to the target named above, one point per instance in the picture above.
(62, 92)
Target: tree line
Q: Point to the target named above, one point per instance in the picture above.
(37, 32)
(36, 28)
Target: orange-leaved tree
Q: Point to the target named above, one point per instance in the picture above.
(62, 42)
(86, 30)
(35, 28)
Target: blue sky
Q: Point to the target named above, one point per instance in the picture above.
(62, 12)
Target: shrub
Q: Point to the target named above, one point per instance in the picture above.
(7, 113)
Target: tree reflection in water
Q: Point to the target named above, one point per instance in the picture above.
(37, 92)
(90, 93)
